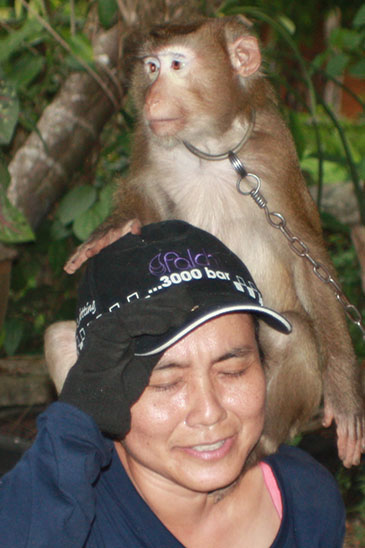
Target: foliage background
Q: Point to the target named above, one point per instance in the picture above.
(315, 58)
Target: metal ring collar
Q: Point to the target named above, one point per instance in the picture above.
(243, 174)
(254, 191)
(224, 155)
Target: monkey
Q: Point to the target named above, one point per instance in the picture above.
(203, 103)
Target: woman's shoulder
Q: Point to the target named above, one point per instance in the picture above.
(303, 478)
(313, 510)
(293, 462)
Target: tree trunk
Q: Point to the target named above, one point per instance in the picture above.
(66, 132)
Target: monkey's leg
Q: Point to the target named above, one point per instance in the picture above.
(60, 351)
(294, 384)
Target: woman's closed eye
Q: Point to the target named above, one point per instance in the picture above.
(164, 387)
(234, 372)
(165, 379)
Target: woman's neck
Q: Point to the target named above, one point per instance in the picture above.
(213, 519)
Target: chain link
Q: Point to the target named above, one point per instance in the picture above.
(300, 248)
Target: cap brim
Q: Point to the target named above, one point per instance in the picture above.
(148, 345)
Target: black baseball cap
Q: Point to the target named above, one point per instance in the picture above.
(165, 256)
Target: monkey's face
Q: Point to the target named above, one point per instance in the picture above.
(194, 82)
(180, 94)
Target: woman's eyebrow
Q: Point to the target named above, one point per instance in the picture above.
(239, 352)
(170, 365)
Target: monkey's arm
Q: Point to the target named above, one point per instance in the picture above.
(342, 384)
(103, 236)
(48, 499)
(342, 387)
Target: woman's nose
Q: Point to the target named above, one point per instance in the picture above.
(205, 407)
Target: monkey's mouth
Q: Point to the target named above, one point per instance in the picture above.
(165, 126)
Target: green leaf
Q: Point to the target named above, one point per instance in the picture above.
(17, 38)
(58, 231)
(24, 70)
(14, 228)
(359, 19)
(287, 23)
(89, 221)
(9, 112)
(80, 46)
(345, 39)
(358, 69)
(107, 10)
(106, 198)
(18, 6)
(319, 60)
(333, 172)
(75, 203)
(14, 330)
(337, 64)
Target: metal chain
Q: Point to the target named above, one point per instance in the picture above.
(277, 220)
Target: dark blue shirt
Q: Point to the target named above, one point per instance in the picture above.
(70, 490)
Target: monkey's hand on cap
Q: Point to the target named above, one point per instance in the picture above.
(107, 377)
(97, 241)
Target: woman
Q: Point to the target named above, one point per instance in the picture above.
(170, 371)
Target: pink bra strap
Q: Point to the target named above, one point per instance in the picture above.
(272, 487)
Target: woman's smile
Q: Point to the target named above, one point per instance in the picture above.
(210, 451)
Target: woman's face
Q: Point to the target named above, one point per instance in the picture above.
(203, 410)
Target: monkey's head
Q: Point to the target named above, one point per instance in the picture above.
(192, 81)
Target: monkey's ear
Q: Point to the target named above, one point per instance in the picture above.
(245, 55)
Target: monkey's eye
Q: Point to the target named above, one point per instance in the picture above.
(152, 65)
(176, 64)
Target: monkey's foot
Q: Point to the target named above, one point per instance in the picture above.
(350, 436)
(94, 245)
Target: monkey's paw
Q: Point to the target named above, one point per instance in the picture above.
(350, 435)
(97, 242)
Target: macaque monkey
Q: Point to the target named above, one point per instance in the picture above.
(200, 85)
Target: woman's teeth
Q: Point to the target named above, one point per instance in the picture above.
(209, 447)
